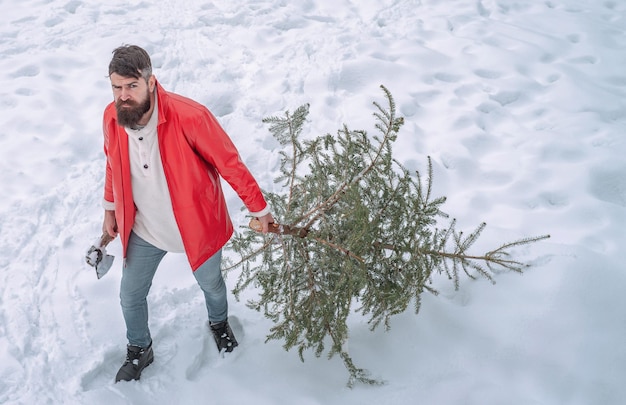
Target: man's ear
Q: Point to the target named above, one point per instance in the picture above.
(151, 83)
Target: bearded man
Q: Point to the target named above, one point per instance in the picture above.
(165, 155)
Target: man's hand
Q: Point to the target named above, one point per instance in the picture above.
(109, 225)
(265, 221)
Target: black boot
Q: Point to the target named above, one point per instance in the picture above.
(224, 337)
(137, 358)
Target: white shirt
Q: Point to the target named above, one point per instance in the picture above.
(154, 219)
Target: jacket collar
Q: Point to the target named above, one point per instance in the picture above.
(162, 104)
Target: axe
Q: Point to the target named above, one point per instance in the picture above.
(97, 256)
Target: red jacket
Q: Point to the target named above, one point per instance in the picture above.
(195, 152)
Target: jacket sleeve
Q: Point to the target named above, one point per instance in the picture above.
(215, 146)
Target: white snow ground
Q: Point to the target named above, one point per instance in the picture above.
(521, 104)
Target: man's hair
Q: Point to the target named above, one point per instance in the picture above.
(131, 61)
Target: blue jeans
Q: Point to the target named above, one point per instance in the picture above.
(142, 260)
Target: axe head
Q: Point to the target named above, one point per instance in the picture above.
(98, 258)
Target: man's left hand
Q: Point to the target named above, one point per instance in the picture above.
(265, 221)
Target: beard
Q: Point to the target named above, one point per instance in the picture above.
(131, 115)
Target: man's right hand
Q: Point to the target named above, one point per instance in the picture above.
(109, 224)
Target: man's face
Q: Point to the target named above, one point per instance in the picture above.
(132, 99)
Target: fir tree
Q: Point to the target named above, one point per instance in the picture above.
(357, 229)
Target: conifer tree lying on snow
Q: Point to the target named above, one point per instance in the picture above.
(357, 228)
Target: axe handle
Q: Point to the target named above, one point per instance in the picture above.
(105, 239)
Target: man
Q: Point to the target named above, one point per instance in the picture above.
(165, 155)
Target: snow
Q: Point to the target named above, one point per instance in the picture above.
(520, 104)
